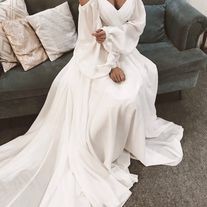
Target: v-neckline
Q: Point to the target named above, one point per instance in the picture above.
(114, 6)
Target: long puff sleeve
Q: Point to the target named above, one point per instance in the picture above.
(124, 38)
(92, 59)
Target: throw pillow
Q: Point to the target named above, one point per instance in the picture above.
(25, 43)
(9, 9)
(56, 30)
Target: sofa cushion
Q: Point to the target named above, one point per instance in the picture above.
(153, 2)
(20, 83)
(155, 24)
(170, 61)
(1, 69)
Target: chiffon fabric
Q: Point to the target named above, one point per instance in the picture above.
(78, 149)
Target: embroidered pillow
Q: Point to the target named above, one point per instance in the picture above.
(56, 30)
(9, 10)
(25, 43)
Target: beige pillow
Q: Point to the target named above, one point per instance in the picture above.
(56, 30)
(9, 10)
(25, 43)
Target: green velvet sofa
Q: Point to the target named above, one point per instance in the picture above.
(169, 40)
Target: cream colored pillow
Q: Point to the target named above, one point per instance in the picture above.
(9, 10)
(25, 43)
(56, 30)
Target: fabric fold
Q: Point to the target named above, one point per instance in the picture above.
(123, 39)
(77, 151)
(97, 60)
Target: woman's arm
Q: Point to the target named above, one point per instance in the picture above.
(93, 60)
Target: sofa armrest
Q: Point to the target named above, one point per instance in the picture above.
(184, 24)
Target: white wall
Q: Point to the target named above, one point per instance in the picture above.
(201, 5)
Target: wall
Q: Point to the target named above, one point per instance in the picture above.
(201, 5)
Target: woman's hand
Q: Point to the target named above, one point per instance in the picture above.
(100, 35)
(117, 75)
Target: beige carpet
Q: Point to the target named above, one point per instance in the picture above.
(186, 184)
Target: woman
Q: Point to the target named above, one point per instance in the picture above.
(98, 114)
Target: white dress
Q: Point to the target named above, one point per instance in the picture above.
(77, 151)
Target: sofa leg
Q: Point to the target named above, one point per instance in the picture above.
(180, 95)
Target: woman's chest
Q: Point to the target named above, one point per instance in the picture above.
(111, 15)
(117, 3)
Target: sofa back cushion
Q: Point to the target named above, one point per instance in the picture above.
(1, 69)
(153, 2)
(155, 24)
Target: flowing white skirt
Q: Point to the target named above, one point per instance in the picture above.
(77, 151)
